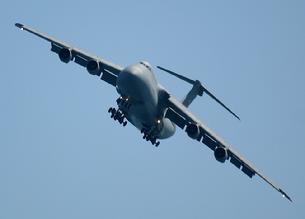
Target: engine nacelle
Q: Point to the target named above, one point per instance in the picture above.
(93, 67)
(193, 130)
(65, 55)
(221, 154)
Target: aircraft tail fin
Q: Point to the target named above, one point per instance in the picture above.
(197, 89)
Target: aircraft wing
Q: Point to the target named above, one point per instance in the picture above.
(182, 117)
(95, 65)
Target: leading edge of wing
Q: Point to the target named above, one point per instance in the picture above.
(184, 113)
(115, 69)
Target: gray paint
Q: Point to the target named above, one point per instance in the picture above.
(150, 101)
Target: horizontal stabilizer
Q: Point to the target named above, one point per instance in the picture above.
(201, 90)
(177, 75)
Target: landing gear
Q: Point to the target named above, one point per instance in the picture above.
(123, 103)
(117, 115)
(147, 135)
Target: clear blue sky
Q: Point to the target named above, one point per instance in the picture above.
(61, 156)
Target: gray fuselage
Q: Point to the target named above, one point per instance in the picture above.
(137, 83)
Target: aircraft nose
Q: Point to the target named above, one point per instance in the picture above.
(129, 82)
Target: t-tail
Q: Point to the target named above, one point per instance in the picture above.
(197, 90)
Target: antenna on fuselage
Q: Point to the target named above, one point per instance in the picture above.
(198, 89)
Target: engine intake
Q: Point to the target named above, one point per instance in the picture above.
(93, 67)
(221, 154)
(65, 55)
(193, 130)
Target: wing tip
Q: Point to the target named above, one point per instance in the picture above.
(285, 195)
(236, 116)
(230, 111)
(19, 25)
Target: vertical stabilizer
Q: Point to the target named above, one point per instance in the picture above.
(192, 94)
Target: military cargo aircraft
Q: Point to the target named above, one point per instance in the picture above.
(150, 107)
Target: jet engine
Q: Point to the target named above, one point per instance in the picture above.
(193, 130)
(93, 67)
(221, 154)
(65, 55)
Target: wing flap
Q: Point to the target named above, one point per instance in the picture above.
(208, 141)
(248, 171)
(175, 117)
(235, 161)
(81, 61)
(109, 78)
(55, 48)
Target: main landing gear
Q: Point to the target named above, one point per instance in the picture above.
(117, 115)
(124, 104)
(147, 135)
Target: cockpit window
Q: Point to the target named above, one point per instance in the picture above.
(146, 64)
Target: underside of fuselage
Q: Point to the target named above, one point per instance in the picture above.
(141, 100)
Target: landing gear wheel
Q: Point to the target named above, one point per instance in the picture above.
(121, 120)
(124, 123)
(116, 117)
(153, 141)
(157, 144)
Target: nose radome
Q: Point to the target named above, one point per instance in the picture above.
(129, 82)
